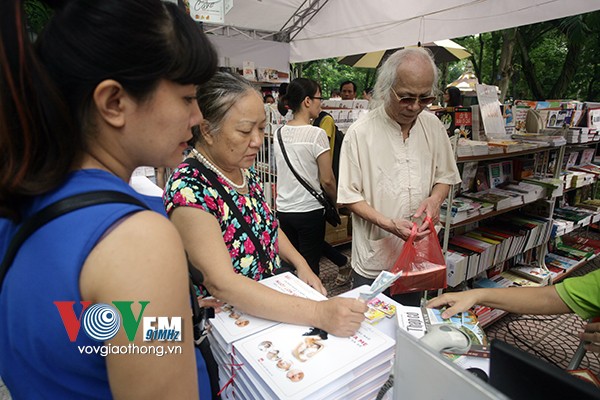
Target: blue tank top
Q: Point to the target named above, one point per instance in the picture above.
(37, 359)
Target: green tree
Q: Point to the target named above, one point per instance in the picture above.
(553, 59)
(330, 73)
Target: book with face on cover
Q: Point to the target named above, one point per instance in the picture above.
(299, 362)
(230, 324)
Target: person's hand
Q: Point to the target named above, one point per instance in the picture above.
(402, 228)
(456, 302)
(340, 316)
(307, 276)
(207, 302)
(591, 334)
(431, 208)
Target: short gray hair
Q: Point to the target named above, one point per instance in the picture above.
(387, 73)
(217, 96)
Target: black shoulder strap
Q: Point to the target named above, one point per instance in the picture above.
(55, 210)
(212, 177)
(317, 121)
(312, 191)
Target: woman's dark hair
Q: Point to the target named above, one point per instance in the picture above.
(217, 96)
(46, 92)
(454, 97)
(297, 91)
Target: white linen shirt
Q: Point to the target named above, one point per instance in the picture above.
(303, 145)
(393, 176)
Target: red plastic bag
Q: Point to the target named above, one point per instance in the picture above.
(421, 263)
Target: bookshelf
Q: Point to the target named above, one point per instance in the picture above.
(536, 249)
(576, 188)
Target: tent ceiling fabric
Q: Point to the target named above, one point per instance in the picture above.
(344, 27)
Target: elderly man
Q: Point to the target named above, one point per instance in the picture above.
(396, 166)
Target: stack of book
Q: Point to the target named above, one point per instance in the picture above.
(231, 325)
(296, 362)
(499, 201)
(579, 217)
(462, 209)
(267, 359)
(559, 264)
(554, 186)
(529, 191)
(540, 139)
(468, 148)
(534, 273)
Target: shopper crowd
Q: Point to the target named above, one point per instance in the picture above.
(84, 107)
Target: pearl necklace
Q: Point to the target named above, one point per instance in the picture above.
(213, 168)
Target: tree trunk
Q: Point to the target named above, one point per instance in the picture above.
(529, 69)
(568, 71)
(505, 66)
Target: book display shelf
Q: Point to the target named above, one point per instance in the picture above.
(535, 198)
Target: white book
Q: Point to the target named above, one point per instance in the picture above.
(294, 362)
(231, 324)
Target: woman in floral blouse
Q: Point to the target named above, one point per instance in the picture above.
(217, 243)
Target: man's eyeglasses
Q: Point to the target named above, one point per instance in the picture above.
(316, 98)
(409, 100)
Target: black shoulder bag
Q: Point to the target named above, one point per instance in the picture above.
(212, 177)
(67, 205)
(55, 210)
(331, 214)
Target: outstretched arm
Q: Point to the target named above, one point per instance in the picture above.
(539, 300)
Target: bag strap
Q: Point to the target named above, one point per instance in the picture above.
(55, 210)
(212, 177)
(318, 196)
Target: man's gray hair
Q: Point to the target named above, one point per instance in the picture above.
(387, 73)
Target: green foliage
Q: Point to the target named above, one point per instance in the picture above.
(547, 44)
(330, 73)
(38, 14)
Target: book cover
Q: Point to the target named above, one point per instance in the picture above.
(231, 324)
(518, 280)
(500, 173)
(463, 122)
(468, 176)
(587, 156)
(296, 362)
(465, 321)
(481, 179)
(533, 273)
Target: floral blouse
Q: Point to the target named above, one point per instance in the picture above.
(189, 187)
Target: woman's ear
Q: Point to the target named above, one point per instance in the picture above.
(110, 99)
(205, 133)
(306, 101)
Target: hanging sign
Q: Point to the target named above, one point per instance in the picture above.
(211, 11)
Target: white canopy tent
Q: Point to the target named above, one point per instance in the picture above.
(318, 29)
